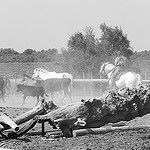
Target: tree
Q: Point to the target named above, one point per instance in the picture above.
(90, 40)
(8, 51)
(113, 40)
(52, 51)
(77, 42)
(28, 51)
(82, 52)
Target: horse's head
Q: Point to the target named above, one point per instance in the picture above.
(40, 73)
(24, 79)
(35, 73)
(27, 80)
(102, 69)
(106, 68)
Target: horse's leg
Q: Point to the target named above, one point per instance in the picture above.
(111, 85)
(37, 100)
(8, 90)
(9, 86)
(52, 95)
(3, 99)
(68, 92)
(24, 97)
(3, 94)
(43, 97)
(60, 94)
(64, 95)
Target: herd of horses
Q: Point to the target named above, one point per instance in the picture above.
(53, 82)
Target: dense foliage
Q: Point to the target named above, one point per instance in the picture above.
(84, 53)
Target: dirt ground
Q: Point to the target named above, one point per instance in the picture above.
(121, 140)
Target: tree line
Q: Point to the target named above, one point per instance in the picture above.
(84, 53)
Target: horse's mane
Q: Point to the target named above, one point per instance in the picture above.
(107, 63)
(43, 70)
(110, 64)
(25, 75)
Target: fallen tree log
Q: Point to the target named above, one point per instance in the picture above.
(103, 130)
(25, 120)
(23, 129)
(73, 110)
(1, 127)
(7, 122)
(30, 114)
(38, 110)
(112, 107)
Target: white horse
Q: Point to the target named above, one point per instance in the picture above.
(127, 79)
(44, 74)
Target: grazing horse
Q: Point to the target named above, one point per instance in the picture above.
(122, 80)
(2, 88)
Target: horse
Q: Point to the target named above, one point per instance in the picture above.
(51, 85)
(126, 79)
(7, 85)
(44, 74)
(34, 91)
(2, 88)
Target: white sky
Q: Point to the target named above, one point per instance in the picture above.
(44, 24)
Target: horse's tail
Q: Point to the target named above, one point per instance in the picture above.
(70, 85)
(44, 92)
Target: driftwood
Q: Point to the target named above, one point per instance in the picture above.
(40, 109)
(112, 107)
(1, 127)
(102, 130)
(25, 121)
(74, 110)
(23, 129)
(7, 122)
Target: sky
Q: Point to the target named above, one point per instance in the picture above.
(46, 24)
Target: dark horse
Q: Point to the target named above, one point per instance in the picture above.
(7, 85)
(2, 88)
